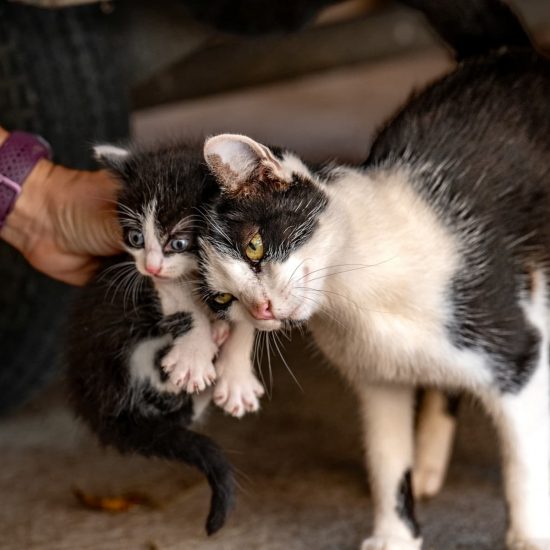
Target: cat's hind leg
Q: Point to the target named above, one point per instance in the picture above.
(435, 431)
(521, 410)
(523, 423)
(388, 417)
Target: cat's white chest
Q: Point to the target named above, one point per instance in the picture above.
(398, 350)
(388, 320)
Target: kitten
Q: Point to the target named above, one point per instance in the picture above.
(426, 266)
(140, 342)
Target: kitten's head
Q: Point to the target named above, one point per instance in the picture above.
(158, 204)
(267, 234)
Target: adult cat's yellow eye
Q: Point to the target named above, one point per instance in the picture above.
(223, 298)
(255, 248)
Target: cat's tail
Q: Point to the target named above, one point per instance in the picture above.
(153, 436)
(473, 27)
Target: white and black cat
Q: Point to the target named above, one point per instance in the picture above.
(427, 266)
(140, 343)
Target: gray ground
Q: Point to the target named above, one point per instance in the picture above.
(301, 475)
(300, 471)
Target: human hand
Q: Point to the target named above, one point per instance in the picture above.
(63, 220)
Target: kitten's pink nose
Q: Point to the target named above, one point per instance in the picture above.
(153, 269)
(262, 311)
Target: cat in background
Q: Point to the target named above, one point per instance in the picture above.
(141, 345)
(427, 266)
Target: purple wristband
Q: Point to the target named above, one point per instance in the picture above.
(18, 155)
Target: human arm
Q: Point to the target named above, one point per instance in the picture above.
(63, 220)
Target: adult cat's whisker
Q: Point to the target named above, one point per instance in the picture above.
(257, 346)
(323, 309)
(268, 349)
(340, 296)
(294, 272)
(277, 342)
(354, 267)
(325, 268)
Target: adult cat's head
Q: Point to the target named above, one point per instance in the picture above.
(158, 204)
(269, 236)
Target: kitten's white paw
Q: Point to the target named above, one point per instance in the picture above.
(190, 367)
(515, 542)
(220, 332)
(427, 480)
(238, 393)
(391, 543)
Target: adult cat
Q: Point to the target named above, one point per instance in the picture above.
(427, 266)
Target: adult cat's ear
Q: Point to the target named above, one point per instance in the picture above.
(112, 156)
(241, 164)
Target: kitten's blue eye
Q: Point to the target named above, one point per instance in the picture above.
(135, 238)
(178, 245)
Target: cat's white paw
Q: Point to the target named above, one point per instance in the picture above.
(238, 393)
(391, 543)
(190, 366)
(220, 332)
(514, 542)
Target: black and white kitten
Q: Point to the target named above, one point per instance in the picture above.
(140, 343)
(427, 266)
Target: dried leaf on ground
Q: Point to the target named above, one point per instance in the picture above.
(120, 503)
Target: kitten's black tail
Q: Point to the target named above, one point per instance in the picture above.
(473, 27)
(163, 438)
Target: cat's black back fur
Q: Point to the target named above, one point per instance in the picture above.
(488, 181)
(107, 323)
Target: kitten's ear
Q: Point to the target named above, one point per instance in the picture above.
(240, 163)
(112, 157)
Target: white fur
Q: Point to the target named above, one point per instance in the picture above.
(190, 361)
(142, 364)
(523, 422)
(237, 390)
(111, 152)
(388, 429)
(169, 266)
(374, 283)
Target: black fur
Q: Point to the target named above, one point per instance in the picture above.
(108, 323)
(174, 176)
(477, 145)
(297, 205)
(177, 324)
(405, 504)
(473, 27)
(256, 16)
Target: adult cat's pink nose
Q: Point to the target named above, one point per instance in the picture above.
(262, 311)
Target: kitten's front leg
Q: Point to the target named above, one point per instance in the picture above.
(388, 430)
(189, 362)
(237, 390)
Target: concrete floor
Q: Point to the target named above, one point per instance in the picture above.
(301, 474)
